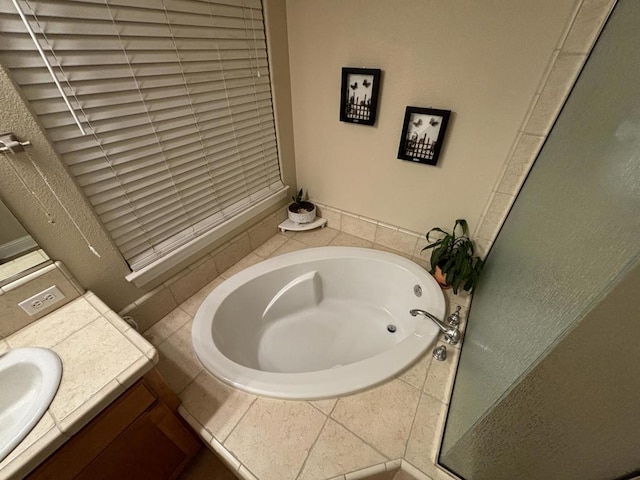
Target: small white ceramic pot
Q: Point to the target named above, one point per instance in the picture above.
(303, 212)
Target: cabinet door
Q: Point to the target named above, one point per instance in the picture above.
(91, 441)
(156, 446)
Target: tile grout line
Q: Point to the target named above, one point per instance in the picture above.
(172, 333)
(422, 392)
(236, 425)
(417, 469)
(579, 4)
(304, 463)
(360, 438)
(424, 380)
(413, 423)
(185, 388)
(435, 398)
(190, 380)
(247, 469)
(406, 382)
(424, 383)
(56, 422)
(67, 337)
(222, 443)
(333, 408)
(317, 408)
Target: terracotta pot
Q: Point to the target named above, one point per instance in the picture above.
(441, 278)
(303, 212)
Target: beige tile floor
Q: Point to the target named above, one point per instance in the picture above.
(272, 439)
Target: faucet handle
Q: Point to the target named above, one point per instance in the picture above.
(440, 353)
(453, 336)
(454, 318)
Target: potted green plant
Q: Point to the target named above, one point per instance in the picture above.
(301, 211)
(453, 263)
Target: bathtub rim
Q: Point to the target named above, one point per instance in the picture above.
(320, 384)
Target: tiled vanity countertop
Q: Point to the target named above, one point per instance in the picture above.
(101, 357)
(365, 435)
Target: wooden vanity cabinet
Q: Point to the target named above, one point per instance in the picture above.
(139, 436)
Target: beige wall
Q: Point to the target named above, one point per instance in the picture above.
(61, 241)
(482, 60)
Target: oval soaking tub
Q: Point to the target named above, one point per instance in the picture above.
(317, 323)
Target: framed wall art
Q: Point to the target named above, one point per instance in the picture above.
(422, 134)
(359, 95)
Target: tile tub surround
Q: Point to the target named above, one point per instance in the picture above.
(154, 305)
(344, 228)
(366, 435)
(101, 357)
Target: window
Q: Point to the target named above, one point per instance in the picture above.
(175, 99)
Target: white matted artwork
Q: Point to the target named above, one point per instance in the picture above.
(422, 134)
(359, 95)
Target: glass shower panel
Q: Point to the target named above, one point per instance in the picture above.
(572, 231)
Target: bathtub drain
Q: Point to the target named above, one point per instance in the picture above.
(391, 328)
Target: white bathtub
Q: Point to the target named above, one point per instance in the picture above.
(314, 323)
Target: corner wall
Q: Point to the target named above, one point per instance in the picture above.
(482, 60)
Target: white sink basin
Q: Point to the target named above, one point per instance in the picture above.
(29, 379)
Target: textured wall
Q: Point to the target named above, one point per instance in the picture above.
(576, 415)
(483, 60)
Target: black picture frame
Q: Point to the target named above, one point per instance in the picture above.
(359, 95)
(422, 134)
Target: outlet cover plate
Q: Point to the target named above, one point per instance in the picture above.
(41, 301)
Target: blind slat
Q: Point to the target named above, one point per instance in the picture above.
(181, 130)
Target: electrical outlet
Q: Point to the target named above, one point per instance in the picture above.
(40, 301)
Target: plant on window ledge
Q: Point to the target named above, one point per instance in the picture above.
(301, 211)
(453, 263)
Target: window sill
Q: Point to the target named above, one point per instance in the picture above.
(149, 273)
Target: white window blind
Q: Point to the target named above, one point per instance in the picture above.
(176, 101)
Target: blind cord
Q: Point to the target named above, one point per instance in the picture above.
(255, 92)
(50, 218)
(153, 129)
(32, 34)
(86, 117)
(75, 224)
(226, 95)
(255, 43)
(193, 112)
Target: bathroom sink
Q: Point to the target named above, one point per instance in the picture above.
(29, 379)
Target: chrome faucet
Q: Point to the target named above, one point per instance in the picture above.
(451, 332)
